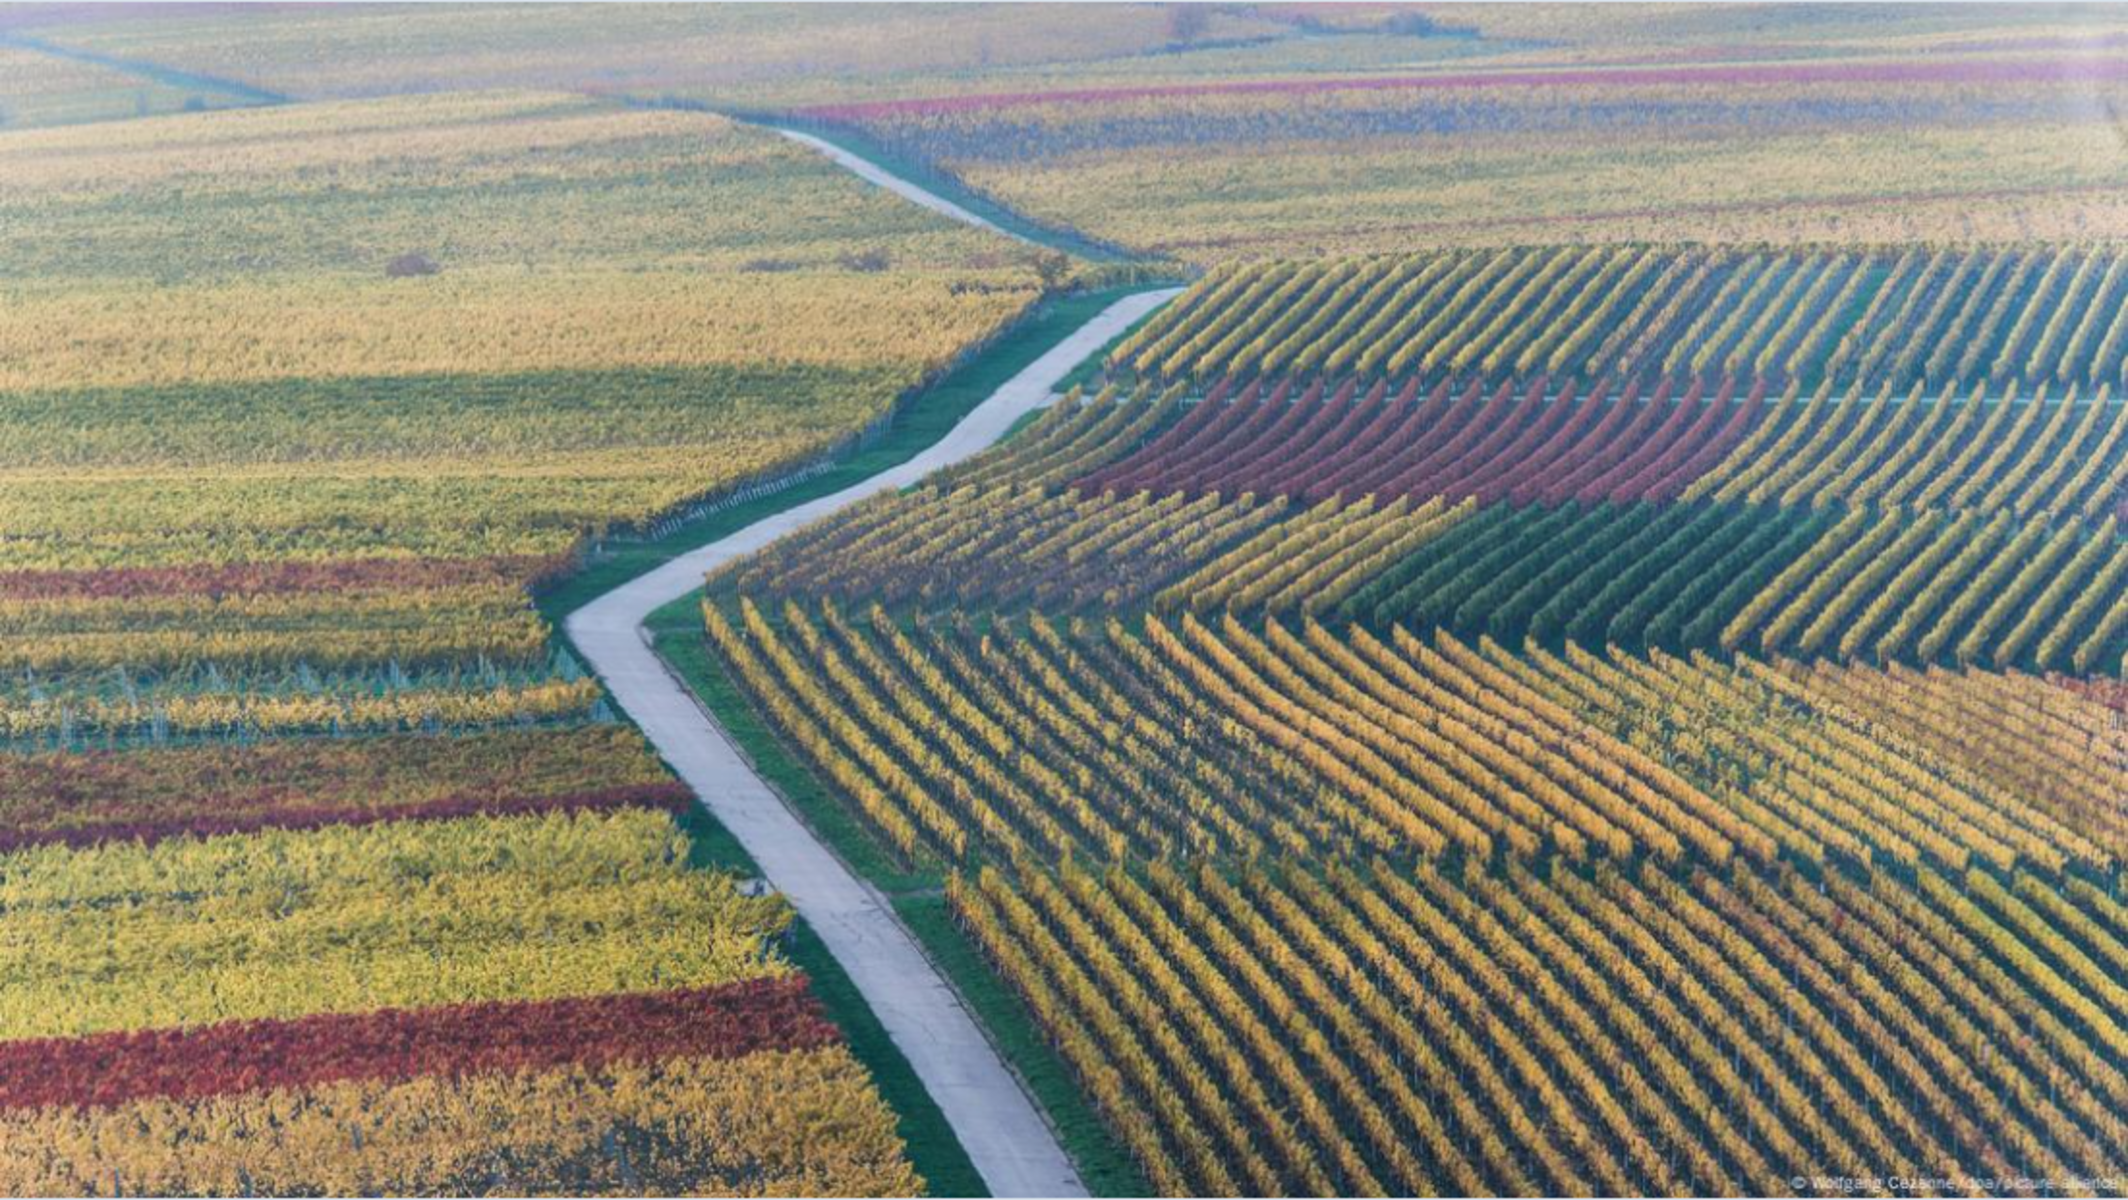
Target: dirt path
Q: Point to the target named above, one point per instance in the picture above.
(997, 1123)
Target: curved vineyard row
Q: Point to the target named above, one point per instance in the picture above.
(1191, 739)
(2065, 457)
(1514, 444)
(1007, 545)
(1865, 584)
(1357, 1030)
(1873, 317)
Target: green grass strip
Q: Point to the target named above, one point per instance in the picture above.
(677, 629)
(934, 1150)
(1103, 1165)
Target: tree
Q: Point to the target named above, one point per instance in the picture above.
(408, 266)
(1187, 22)
(1051, 268)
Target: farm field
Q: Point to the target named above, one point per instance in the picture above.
(1584, 650)
(39, 89)
(341, 53)
(1512, 722)
(1546, 130)
(1258, 131)
(359, 488)
(329, 869)
(407, 963)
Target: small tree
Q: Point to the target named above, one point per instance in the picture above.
(409, 266)
(1187, 22)
(1412, 23)
(1051, 268)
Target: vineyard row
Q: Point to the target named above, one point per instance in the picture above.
(1364, 1031)
(1190, 739)
(2003, 318)
(2067, 457)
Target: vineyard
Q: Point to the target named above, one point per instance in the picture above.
(324, 965)
(1580, 649)
(1374, 1029)
(355, 477)
(1967, 533)
(1401, 734)
(1480, 128)
(328, 871)
(1884, 320)
(1191, 738)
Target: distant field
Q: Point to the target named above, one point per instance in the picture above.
(1288, 130)
(624, 315)
(38, 89)
(1871, 137)
(737, 51)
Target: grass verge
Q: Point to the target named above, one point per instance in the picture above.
(933, 1149)
(1087, 373)
(1103, 1165)
(677, 633)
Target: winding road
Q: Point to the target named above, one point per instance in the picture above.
(871, 172)
(1004, 1134)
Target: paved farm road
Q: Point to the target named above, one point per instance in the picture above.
(1004, 1134)
(866, 170)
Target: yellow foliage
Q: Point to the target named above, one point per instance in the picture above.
(495, 319)
(361, 708)
(412, 627)
(343, 919)
(793, 1123)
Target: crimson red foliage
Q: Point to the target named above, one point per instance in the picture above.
(2068, 69)
(2110, 692)
(247, 579)
(727, 1021)
(89, 823)
(1511, 445)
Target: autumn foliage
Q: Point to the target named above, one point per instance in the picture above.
(726, 1021)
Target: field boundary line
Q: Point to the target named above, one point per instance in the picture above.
(153, 72)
